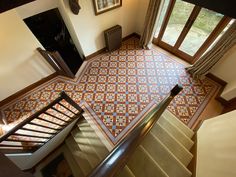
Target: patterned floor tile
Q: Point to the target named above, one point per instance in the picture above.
(118, 88)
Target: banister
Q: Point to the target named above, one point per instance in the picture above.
(24, 122)
(29, 121)
(118, 157)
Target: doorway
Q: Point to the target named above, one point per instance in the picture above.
(187, 30)
(51, 31)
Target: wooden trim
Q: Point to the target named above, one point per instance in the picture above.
(67, 72)
(27, 89)
(56, 61)
(196, 10)
(222, 83)
(177, 53)
(7, 5)
(216, 79)
(46, 55)
(103, 50)
(199, 124)
(130, 36)
(37, 131)
(166, 20)
(21, 125)
(230, 106)
(187, 27)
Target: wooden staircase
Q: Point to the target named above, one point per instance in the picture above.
(165, 151)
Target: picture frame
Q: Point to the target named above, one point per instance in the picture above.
(101, 6)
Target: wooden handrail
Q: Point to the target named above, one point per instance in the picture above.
(120, 155)
(56, 61)
(29, 121)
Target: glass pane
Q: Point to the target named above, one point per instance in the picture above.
(220, 35)
(205, 23)
(161, 17)
(178, 18)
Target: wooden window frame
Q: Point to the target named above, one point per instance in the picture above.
(193, 16)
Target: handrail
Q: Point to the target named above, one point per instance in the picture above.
(120, 155)
(38, 137)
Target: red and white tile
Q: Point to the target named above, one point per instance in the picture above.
(118, 88)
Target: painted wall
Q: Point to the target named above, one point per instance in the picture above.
(225, 70)
(216, 152)
(86, 30)
(89, 28)
(20, 63)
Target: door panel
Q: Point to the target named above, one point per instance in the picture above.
(200, 31)
(188, 30)
(178, 19)
(162, 16)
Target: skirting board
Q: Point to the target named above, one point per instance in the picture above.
(222, 83)
(104, 49)
(26, 89)
(229, 105)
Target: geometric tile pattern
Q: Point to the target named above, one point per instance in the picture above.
(119, 88)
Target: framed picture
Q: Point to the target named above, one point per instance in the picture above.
(101, 6)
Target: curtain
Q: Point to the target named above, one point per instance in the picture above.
(149, 24)
(202, 66)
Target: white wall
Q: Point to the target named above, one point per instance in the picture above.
(18, 44)
(20, 63)
(89, 28)
(216, 147)
(225, 69)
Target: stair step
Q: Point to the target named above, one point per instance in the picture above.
(178, 123)
(94, 140)
(125, 172)
(176, 148)
(141, 164)
(166, 160)
(84, 144)
(76, 169)
(176, 133)
(79, 156)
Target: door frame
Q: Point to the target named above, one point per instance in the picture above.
(193, 16)
(56, 61)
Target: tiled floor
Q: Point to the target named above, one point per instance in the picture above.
(119, 88)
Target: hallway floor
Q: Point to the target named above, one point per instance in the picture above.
(118, 88)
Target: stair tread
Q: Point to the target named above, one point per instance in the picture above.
(94, 141)
(125, 172)
(79, 156)
(173, 145)
(85, 146)
(178, 123)
(141, 164)
(166, 160)
(175, 132)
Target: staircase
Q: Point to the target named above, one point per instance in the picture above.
(165, 151)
